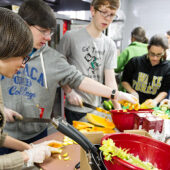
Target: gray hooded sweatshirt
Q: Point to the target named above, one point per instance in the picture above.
(32, 90)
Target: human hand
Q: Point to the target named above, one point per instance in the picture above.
(150, 103)
(135, 94)
(121, 97)
(10, 114)
(116, 105)
(55, 146)
(37, 154)
(165, 102)
(74, 98)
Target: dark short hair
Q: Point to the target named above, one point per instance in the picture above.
(37, 12)
(168, 33)
(159, 40)
(113, 4)
(15, 36)
(139, 34)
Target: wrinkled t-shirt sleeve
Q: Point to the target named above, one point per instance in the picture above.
(2, 138)
(13, 161)
(64, 46)
(68, 74)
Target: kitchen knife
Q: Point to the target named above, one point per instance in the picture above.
(99, 109)
(32, 119)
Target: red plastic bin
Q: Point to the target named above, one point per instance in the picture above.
(125, 120)
(148, 149)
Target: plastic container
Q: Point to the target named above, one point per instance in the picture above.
(148, 149)
(159, 124)
(139, 120)
(149, 123)
(125, 120)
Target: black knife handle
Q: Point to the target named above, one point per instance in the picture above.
(89, 105)
(77, 166)
(62, 126)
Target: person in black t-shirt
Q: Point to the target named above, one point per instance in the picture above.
(149, 75)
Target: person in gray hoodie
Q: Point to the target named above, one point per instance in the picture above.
(34, 86)
(16, 43)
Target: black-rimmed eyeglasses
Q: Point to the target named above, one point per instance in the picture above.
(157, 55)
(44, 32)
(106, 15)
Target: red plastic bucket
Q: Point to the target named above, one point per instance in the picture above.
(148, 149)
(125, 120)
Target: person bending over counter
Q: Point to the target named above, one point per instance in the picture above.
(16, 43)
(148, 76)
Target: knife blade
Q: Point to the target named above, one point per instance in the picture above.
(99, 109)
(32, 119)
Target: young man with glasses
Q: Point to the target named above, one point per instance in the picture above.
(94, 54)
(32, 90)
(149, 75)
(16, 43)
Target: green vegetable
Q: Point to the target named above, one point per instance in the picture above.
(158, 112)
(107, 105)
(163, 108)
(110, 150)
(110, 102)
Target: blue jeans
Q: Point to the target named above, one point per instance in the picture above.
(41, 135)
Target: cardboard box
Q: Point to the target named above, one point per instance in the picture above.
(138, 132)
(95, 138)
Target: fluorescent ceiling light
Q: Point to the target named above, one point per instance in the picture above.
(87, 1)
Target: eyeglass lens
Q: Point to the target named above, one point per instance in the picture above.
(106, 15)
(45, 33)
(158, 55)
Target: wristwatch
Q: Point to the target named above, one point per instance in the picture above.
(113, 94)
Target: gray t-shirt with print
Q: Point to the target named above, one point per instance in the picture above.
(91, 56)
